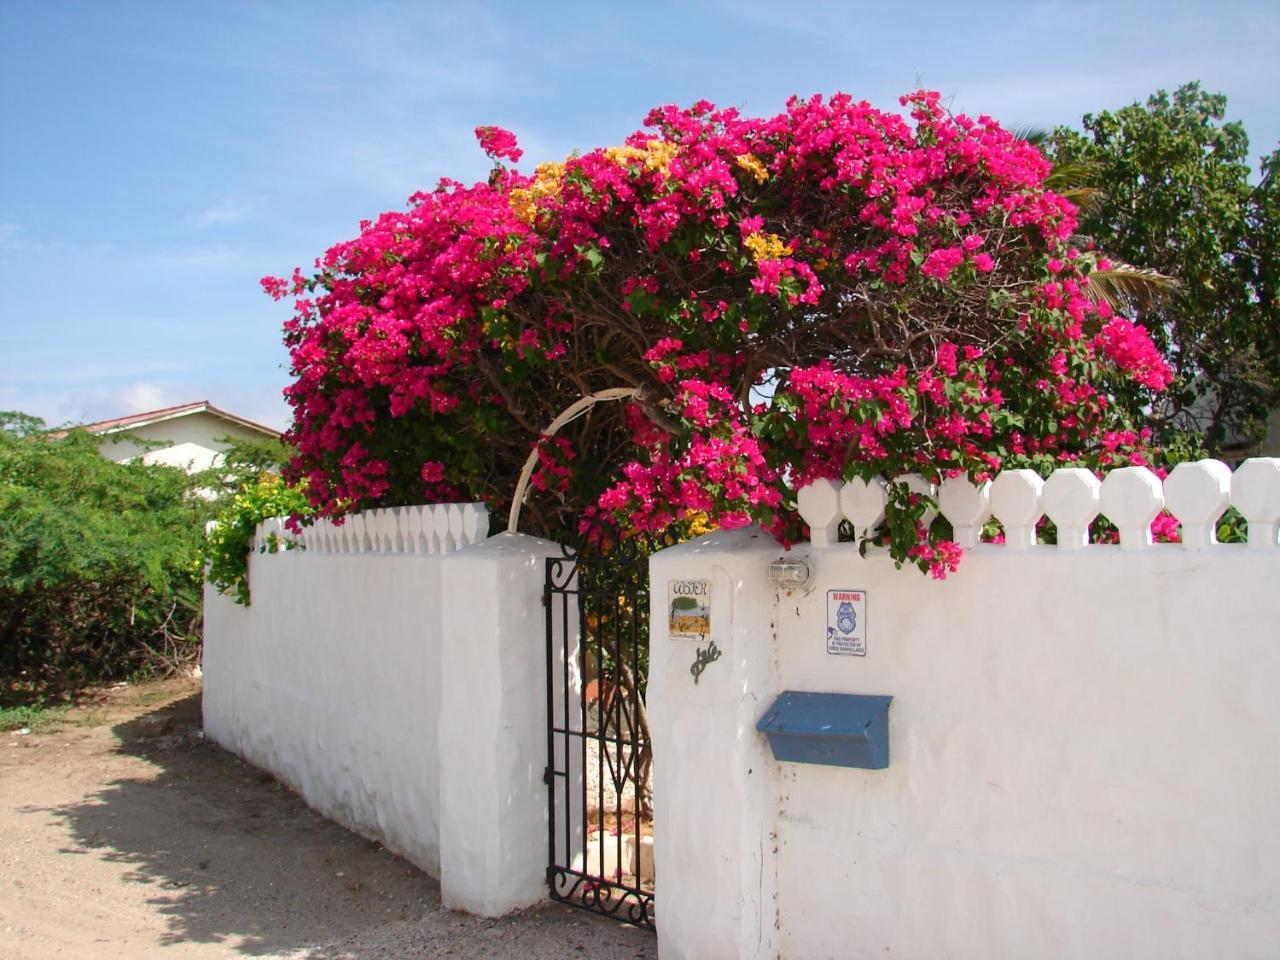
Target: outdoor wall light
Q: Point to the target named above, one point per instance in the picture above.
(790, 573)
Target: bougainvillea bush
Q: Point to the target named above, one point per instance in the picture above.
(835, 291)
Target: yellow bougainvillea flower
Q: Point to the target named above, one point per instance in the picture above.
(699, 523)
(656, 154)
(548, 179)
(751, 163)
(766, 246)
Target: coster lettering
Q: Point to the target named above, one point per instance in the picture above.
(686, 588)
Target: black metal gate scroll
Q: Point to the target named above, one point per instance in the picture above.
(599, 759)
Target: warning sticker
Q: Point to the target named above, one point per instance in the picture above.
(847, 623)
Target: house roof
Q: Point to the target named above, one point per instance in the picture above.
(133, 421)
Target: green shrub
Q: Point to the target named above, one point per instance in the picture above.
(99, 563)
(230, 537)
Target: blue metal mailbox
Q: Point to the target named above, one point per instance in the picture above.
(836, 729)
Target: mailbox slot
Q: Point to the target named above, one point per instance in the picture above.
(835, 729)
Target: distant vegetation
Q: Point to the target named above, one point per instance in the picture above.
(101, 562)
(1168, 185)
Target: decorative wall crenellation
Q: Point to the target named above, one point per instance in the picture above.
(1196, 493)
(429, 529)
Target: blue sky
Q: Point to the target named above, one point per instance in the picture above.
(157, 158)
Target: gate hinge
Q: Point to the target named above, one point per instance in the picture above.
(546, 775)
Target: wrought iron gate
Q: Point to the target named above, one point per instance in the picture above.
(599, 759)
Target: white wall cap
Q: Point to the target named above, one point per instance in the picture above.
(401, 542)
(1198, 494)
(378, 532)
(819, 505)
(363, 542)
(397, 530)
(429, 529)
(390, 531)
(513, 544)
(455, 524)
(1131, 498)
(967, 505)
(1015, 502)
(1072, 499)
(740, 540)
(862, 504)
(1255, 492)
(430, 542)
(475, 522)
(440, 527)
(413, 530)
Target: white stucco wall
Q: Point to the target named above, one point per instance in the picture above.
(394, 674)
(1083, 759)
(190, 442)
(331, 681)
(713, 798)
(493, 727)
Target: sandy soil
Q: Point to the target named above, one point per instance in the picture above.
(124, 833)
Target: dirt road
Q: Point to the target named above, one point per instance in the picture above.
(125, 834)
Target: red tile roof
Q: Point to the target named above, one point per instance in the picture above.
(117, 424)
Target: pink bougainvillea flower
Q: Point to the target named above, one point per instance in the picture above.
(834, 291)
(499, 143)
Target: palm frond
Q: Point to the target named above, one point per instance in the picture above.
(1036, 136)
(1072, 175)
(1124, 286)
(1088, 200)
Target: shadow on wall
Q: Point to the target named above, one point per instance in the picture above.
(230, 855)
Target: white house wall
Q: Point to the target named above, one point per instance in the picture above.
(191, 441)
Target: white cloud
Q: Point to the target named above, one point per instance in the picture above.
(14, 242)
(222, 214)
(26, 371)
(140, 397)
(261, 403)
(103, 403)
(59, 407)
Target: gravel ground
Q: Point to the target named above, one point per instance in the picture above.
(125, 834)
(594, 766)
